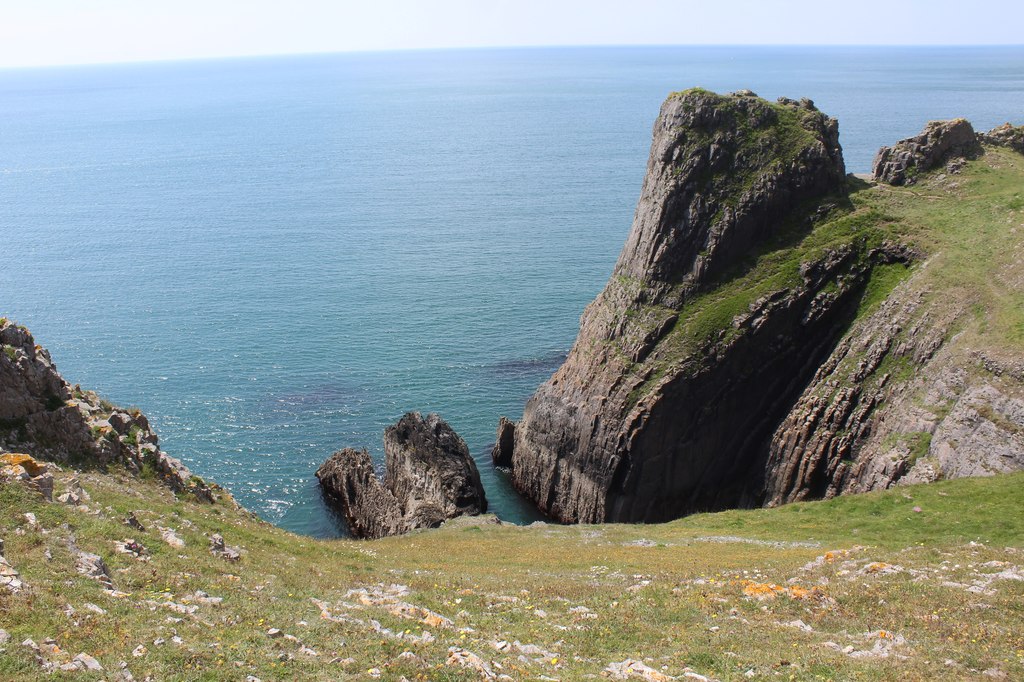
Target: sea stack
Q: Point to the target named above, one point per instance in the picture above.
(429, 477)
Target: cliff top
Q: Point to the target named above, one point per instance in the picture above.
(866, 586)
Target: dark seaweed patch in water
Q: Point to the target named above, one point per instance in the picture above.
(530, 366)
(317, 396)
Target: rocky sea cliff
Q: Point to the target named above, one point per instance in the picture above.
(774, 330)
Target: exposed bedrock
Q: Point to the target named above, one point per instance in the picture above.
(730, 360)
(41, 414)
(429, 477)
(722, 173)
(635, 426)
(939, 143)
(1006, 135)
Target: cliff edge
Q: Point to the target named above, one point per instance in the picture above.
(43, 416)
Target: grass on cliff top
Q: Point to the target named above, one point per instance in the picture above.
(971, 226)
(770, 146)
(720, 594)
(968, 227)
(708, 317)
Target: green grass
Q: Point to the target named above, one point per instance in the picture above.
(707, 319)
(971, 230)
(674, 600)
(884, 278)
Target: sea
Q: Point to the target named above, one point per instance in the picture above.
(275, 258)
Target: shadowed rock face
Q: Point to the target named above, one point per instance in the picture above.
(429, 477)
(350, 482)
(627, 431)
(41, 414)
(940, 142)
(672, 401)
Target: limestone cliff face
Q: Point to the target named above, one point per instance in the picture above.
(722, 174)
(902, 399)
(727, 362)
(634, 425)
(429, 477)
(42, 415)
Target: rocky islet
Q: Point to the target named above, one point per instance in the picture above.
(429, 477)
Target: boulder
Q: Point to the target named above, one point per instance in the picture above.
(219, 549)
(24, 468)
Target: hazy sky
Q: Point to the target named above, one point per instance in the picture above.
(37, 32)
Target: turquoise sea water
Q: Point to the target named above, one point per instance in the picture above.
(275, 258)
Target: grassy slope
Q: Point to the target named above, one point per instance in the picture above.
(972, 226)
(675, 600)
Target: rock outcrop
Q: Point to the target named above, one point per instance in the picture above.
(900, 400)
(940, 142)
(1006, 135)
(728, 361)
(429, 477)
(44, 416)
(664, 377)
(350, 482)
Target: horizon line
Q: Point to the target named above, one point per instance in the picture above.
(471, 48)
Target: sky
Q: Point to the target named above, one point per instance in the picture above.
(52, 32)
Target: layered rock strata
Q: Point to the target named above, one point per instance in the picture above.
(42, 415)
(633, 426)
(727, 363)
(903, 398)
(429, 477)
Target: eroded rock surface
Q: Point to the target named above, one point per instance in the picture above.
(940, 142)
(1006, 135)
(684, 392)
(635, 424)
(350, 482)
(44, 416)
(429, 477)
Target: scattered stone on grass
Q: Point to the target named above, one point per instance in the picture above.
(219, 549)
(464, 658)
